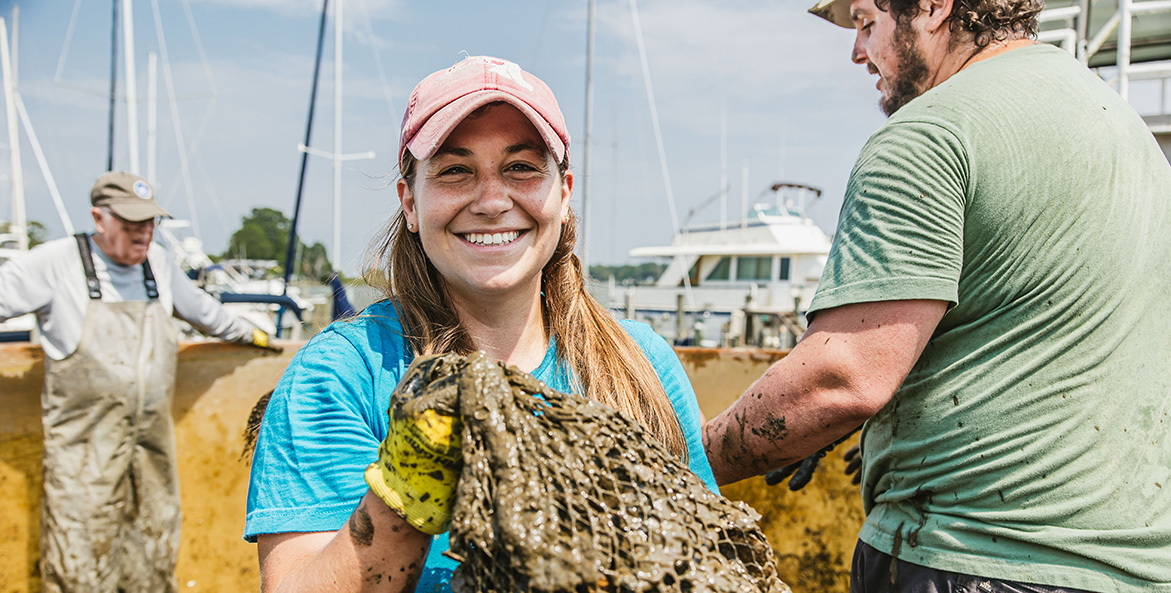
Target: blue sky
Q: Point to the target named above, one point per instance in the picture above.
(797, 109)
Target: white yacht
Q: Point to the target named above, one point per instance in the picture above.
(738, 283)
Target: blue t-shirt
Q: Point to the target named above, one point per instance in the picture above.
(327, 417)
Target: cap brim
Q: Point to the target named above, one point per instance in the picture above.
(439, 126)
(138, 211)
(834, 11)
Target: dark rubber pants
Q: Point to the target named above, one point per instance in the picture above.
(877, 572)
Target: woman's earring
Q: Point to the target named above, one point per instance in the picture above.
(411, 227)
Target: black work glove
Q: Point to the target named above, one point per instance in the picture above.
(802, 471)
(853, 458)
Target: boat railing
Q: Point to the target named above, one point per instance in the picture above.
(282, 300)
(1090, 35)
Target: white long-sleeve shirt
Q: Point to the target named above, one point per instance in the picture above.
(50, 281)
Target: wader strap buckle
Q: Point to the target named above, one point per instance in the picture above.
(91, 277)
(148, 280)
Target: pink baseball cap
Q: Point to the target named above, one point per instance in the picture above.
(442, 100)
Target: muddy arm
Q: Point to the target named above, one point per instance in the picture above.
(374, 551)
(848, 365)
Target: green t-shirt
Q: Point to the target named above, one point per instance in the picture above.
(1030, 440)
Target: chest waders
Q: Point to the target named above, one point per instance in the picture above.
(110, 515)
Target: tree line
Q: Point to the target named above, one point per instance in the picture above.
(264, 234)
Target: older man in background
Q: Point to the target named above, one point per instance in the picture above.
(104, 301)
(995, 309)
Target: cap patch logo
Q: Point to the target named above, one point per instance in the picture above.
(512, 71)
(142, 190)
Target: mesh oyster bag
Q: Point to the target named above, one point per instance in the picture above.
(561, 493)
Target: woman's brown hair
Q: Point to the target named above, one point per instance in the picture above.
(605, 363)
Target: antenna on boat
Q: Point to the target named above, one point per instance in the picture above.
(783, 202)
(721, 194)
(723, 163)
(744, 195)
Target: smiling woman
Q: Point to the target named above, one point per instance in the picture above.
(491, 179)
(480, 258)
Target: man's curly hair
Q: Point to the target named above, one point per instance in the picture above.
(985, 20)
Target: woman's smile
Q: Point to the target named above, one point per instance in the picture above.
(492, 239)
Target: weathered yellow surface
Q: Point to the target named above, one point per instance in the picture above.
(813, 531)
(217, 386)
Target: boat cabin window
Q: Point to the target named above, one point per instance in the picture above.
(743, 268)
(722, 271)
(754, 268)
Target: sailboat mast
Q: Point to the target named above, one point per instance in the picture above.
(113, 82)
(589, 130)
(152, 116)
(337, 136)
(291, 250)
(18, 225)
(131, 85)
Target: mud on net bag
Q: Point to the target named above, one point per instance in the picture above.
(561, 493)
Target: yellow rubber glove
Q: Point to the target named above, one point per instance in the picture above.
(420, 461)
(262, 340)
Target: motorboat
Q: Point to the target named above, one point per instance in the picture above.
(734, 283)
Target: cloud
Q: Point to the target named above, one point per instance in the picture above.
(750, 44)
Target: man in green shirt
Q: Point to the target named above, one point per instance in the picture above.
(996, 308)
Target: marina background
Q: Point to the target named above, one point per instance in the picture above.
(796, 108)
(765, 78)
(762, 77)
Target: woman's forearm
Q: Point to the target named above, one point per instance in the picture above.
(374, 551)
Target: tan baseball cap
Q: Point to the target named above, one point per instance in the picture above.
(834, 11)
(128, 195)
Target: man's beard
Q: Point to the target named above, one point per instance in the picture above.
(910, 80)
